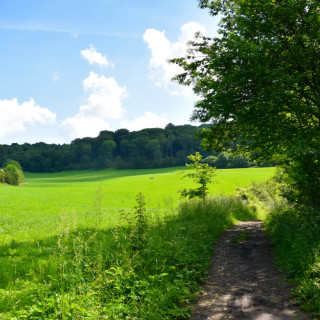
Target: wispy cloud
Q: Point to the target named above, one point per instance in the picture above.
(72, 33)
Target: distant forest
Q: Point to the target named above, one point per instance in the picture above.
(148, 148)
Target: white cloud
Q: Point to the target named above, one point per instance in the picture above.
(105, 97)
(82, 126)
(162, 50)
(104, 102)
(14, 116)
(148, 120)
(94, 57)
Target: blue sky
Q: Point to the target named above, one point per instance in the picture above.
(70, 68)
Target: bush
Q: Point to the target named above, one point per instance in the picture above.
(16, 173)
(240, 162)
(12, 174)
(2, 176)
(15, 163)
(222, 160)
(262, 197)
(296, 243)
(10, 179)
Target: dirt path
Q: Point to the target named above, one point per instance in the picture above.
(243, 283)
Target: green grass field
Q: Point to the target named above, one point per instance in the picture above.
(37, 209)
(67, 251)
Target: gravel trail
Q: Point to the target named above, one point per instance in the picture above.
(243, 282)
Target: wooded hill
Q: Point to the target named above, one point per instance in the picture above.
(148, 148)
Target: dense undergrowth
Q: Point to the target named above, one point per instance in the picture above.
(295, 236)
(149, 268)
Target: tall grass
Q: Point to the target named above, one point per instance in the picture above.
(295, 237)
(150, 267)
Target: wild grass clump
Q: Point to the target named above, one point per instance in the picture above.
(147, 268)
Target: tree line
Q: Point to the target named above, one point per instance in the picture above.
(122, 149)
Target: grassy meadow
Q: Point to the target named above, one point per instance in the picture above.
(72, 247)
(36, 209)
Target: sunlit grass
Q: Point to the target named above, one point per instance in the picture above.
(147, 270)
(36, 209)
(68, 251)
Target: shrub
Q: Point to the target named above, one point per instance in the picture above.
(2, 176)
(16, 173)
(10, 179)
(201, 173)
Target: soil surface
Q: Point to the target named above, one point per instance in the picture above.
(243, 282)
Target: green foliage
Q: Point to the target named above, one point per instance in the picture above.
(2, 176)
(222, 160)
(200, 173)
(296, 243)
(10, 179)
(147, 148)
(16, 174)
(262, 197)
(12, 174)
(137, 223)
(225, 160)
(259, 86)
(13, 162)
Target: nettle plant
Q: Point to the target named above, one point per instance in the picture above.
(201, 173)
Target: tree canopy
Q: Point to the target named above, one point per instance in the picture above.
(259, 83)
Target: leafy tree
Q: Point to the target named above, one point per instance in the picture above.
(201, 173)
(222, 160)
(15, 163)
(259, 84)
(210, 160)
(240, 162)
(106, 153)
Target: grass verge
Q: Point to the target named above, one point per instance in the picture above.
(296, 243)
(149, 268)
